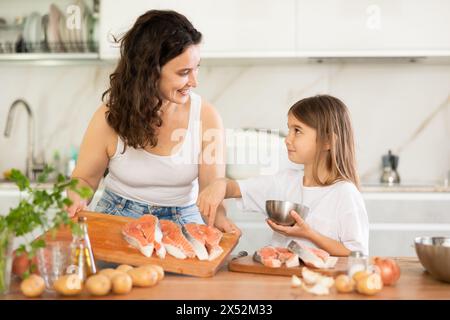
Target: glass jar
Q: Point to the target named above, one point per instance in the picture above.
(357, 261)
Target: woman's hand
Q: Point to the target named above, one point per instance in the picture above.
(77, 206)
(300, 229)
(210, 198)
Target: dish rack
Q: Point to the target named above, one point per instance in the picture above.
(52, 32)
(21, 46)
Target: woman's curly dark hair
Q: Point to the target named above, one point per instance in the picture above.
(133, 98)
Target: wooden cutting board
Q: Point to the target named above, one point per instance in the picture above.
(108, 245)
(248, 265)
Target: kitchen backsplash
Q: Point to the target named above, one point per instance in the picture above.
(399, 106)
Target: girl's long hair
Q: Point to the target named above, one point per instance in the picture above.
(330, 118)
(133, 98)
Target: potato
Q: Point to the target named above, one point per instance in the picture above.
(158, 269)
(68, 285)
(370, 284)
(122, 283)
(143, 276)
(109, 272)
(98, 285)
(33, 286)
(360, 274)
(124, 268)
(344, 283)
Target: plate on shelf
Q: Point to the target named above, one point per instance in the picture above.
(44, 28)
(53, 36)
(65, 33)
(68, 37)
(79, 34)
(93, 39)
(35, 31)
(26, 31)
(86, 31)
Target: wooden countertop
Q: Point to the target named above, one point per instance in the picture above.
(414, 283)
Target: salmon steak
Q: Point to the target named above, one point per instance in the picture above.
(174, 241)
(205, 240)
(145, 235)
(275, 257)
(313, 257)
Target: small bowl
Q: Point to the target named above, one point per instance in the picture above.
(279, 211)
(434, 255)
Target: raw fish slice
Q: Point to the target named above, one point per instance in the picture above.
(159, 247)
(268, 262)
(275, 257)
(293, 261)
(134, 236)
(287, 257)
(152, 231)
(213, 237)
(175, 242)
(283, 254)
(214, 252)
(147, 223)
(145, 235)
(268, 256)
(322, 254)
(312, 257)
(197, 238)
(208, 236)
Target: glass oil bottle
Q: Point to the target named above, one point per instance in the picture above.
(83, 262)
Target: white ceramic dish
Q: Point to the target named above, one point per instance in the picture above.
(81, 34)
(36, 31)
(26, 28)
(85, 31)
(53, 35)
(65, 33)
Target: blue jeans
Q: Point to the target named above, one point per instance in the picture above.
(112, 203)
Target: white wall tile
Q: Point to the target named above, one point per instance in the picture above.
(388, 103)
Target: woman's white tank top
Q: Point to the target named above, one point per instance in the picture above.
(160, 180)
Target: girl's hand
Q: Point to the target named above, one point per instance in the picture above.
(299, 229)
(225, 224)
(210, 198)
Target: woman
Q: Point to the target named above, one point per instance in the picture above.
(149, 133)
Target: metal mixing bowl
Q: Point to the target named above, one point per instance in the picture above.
(279, 211)
(434, 255)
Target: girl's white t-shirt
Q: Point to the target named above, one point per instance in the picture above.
(336, 211)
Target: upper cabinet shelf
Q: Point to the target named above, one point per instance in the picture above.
(234, 30)
(230, 28)
(299, 29)
(373, 26)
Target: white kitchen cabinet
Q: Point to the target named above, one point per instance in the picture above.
(230, 28)
(397, 218)
(375, 27)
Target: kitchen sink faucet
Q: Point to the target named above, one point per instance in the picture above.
(32, 166)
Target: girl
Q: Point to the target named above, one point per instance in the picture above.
(321, 138)
(134, 134)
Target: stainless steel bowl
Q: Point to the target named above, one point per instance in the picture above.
(434, 255)
(279, 211)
